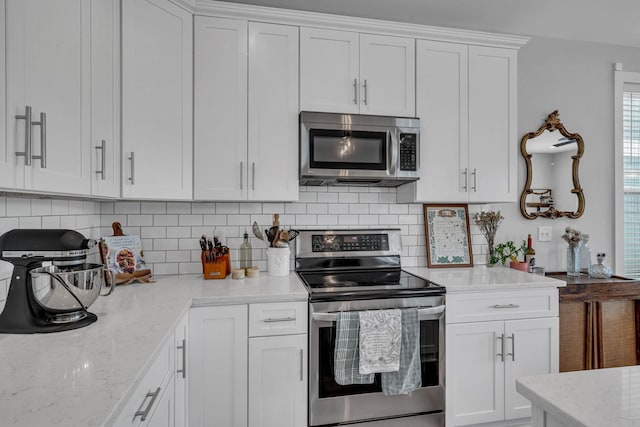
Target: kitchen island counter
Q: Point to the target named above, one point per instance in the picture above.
(593, 398)
(79, 377)
(481, 278)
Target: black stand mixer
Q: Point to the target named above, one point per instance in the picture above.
(52, 285)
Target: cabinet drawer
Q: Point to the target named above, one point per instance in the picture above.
(158, 376)
(278, 318)
(473, 307)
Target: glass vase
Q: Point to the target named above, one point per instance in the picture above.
(573, 261)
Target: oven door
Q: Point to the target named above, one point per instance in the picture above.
(331, 403)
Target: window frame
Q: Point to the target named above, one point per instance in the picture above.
(620, 79)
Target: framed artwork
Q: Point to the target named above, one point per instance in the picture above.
(447, 235)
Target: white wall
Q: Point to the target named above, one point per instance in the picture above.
(575, 78)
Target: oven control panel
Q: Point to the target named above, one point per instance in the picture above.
(349, 242)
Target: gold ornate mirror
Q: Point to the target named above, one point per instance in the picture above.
(552, 188)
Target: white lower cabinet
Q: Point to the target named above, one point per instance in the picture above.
(160, 398)
(248, 365)
(507, 336)
(278, 381)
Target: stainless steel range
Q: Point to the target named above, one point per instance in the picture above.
(359, 270)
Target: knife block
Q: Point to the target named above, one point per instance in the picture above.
(218, 269)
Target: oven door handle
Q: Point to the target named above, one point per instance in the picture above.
(428, 313)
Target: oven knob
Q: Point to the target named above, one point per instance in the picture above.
(335, 247)
(317, 247)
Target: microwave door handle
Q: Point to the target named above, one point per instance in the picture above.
(393, 147)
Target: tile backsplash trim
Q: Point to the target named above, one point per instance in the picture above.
(170, 230)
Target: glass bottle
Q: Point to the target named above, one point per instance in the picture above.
(585, 254)
(530, 254)
(245, 252)
(599, 270)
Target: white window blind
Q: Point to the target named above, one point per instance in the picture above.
(631, 165)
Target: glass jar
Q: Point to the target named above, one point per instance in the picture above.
(599, 270)
(573, 261)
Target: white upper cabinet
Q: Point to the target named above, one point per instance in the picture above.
(466, 102)
(157, 94)
(49, 90)
(347, 72)
(105, 98)
(246, 110)
(493, 139)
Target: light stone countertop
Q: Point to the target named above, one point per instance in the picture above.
(482, 279)
(593, 398)
(78, 377)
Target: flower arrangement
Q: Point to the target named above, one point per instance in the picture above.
(572, 236)
(488, 223)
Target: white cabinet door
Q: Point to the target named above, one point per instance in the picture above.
(278, 381)
(105, 98)
(246, 110)
(532, 348)
(48, 68)
(163, 414)
(493, 142)
(218, 366)
(329, 70)
(441, 104)
(273, 112)
(220, 116)
(181, 373)
(475, 373)
(157, 94)
(387, 75)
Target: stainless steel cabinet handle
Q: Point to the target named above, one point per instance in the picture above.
(475, 180)
(355, 91)
(103, 162)
(183, 347)
(501, 354)
(241, 177)
(144, 413)
(43, 140)
(253, 176)
(504, 306)
(466, 180)
(27, 136)
(132, 178)
(366, 96)
(513, 347)
(279, 319)
(301, 365)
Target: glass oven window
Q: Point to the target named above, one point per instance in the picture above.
(341, 149)
(328, 387)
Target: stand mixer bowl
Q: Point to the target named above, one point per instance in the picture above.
(65, 294)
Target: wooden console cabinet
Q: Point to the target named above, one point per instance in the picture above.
(599, 322)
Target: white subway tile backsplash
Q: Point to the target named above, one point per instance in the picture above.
(141, 220)
(31, 222)
(170, 230)
(347, 198)
(327, 197)
(18, 207)
(40, 207)
(153, 207)
(165, 220)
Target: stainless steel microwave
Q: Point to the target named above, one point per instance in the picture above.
(352, 149)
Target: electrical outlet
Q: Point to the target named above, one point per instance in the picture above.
(544, 234)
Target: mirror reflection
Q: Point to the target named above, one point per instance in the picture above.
(552, 188)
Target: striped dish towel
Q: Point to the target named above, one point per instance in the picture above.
(346, 355)
(409, 376)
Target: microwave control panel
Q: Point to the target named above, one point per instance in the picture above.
(350, 242)
(408, 151)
